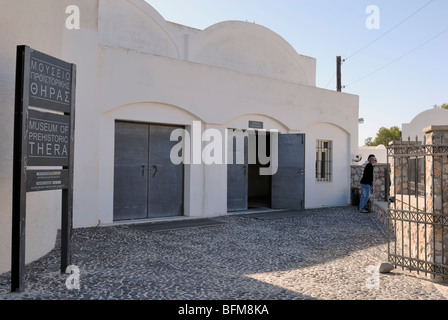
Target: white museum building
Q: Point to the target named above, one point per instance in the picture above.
(160, 108)
(415, 128)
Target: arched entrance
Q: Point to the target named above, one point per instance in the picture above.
(265, 168)
(146, 182)
(138, 180)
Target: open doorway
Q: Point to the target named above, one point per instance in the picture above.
(247, 188)
(259, 186)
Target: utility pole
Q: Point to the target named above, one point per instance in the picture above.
(338, 74)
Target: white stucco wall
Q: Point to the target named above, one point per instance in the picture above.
(334, 192)
(24, 22)
(220, 90)
(250, 48)
(133, 65)
(380, 153)
(436, 116)
(243, 47)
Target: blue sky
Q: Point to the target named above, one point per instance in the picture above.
(396, 77)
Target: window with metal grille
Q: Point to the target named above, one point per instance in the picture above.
(324, 157)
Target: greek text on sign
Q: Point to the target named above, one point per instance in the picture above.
(50, 82)
(48, 138)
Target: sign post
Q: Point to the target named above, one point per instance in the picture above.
(42, 137)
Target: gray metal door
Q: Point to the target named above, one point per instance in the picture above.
(130, 171)
(288, 183)
(237, 176)
(146, 183)
(165, 178)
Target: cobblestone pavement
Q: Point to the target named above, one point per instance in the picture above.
(329, 254)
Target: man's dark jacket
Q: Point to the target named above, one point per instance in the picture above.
(367, 177)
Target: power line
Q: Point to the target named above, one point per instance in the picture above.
(400, 57)
(330, 80)
(384, 34)
(370, 43)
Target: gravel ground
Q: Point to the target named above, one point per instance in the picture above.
(321, 254)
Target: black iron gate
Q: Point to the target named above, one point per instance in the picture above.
(418, 206)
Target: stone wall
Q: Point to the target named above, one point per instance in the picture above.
(437, 169)
(437, 188)
(413, 239)
(401, 181)
(380, 180)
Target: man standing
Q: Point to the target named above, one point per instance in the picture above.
(366, 183)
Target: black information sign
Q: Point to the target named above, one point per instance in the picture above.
(43, 180)
(43, 137)
(48, 139)
(255, 124)
(50, 84)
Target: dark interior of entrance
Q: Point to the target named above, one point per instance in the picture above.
(259, 186)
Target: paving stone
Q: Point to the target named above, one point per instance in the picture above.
(319, 254)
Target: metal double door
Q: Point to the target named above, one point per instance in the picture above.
(146, 182)
(287, 184)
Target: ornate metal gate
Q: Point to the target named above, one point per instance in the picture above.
(418, 205)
